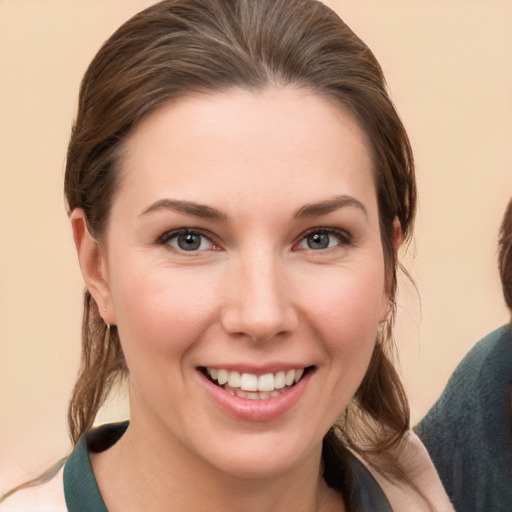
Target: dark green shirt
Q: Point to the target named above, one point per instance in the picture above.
(82, 493)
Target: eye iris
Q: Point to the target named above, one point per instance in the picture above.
(189, 242)
(318, 241)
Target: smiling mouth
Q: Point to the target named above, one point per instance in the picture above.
(255, 387)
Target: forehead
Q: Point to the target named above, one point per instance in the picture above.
(291, 140)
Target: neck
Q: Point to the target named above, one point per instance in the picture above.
(167, 474)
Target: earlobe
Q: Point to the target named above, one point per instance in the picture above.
(397, 235)
(386, 309)
(92, 264)
(396, 241)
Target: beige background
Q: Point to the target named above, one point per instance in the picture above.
(449, 69)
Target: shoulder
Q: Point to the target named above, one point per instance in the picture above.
(487, 356)
(494, 347)
(426, 492)
(467, 431)
(481, 379)
(47, 497)
(476, 394)
(488, 360)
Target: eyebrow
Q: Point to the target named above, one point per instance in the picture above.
(330, 205)
(207, 212)
(187, 207)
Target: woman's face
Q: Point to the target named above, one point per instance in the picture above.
(244, 245)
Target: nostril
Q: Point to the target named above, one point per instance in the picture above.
(259, 307)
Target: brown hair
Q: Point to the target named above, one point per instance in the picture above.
(505, 255)
(179, 47)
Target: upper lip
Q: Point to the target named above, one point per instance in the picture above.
(257, 370)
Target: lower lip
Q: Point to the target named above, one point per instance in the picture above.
(256, 410)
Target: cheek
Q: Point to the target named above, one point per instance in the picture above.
(161, 313)
(350, 302)
(345, 314)
(350, 342)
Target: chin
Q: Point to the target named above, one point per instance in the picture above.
(264, 455)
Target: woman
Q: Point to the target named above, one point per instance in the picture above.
(238, 183)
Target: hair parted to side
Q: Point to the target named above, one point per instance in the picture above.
(181, 47)
(505, 255)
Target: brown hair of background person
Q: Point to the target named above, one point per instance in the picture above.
(505, 255)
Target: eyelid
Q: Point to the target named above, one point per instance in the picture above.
(344, 237)
(173, 233)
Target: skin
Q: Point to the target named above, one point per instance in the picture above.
(255, 295)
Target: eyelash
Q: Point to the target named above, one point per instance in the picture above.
(343, 237)
(175, 234)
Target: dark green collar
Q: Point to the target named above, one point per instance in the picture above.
(80, 487)
(82, 493)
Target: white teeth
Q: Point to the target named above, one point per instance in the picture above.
(248, 385)
(290, 377)
(240, 393)
(266, 382)
(248, 382)
(234, 380)
(222, 377)
(279, 380)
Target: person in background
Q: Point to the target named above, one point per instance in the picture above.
(468, 431)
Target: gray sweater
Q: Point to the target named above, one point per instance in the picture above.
(468, 431)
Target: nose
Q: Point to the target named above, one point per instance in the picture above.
(259, 303)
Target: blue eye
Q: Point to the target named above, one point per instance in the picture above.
(322, 239)
(318, 241)
(188, 241)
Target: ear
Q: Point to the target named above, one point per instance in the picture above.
(396, 240)
(397, 235)
(93, 265)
